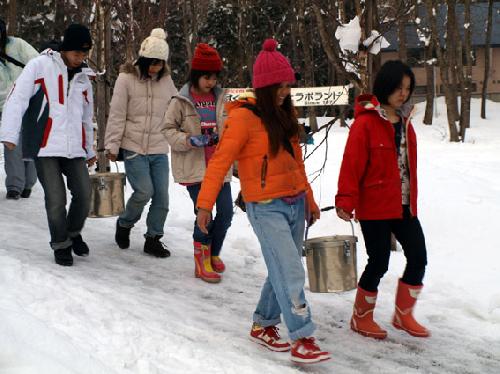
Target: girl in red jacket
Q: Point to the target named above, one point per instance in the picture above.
(378, 182)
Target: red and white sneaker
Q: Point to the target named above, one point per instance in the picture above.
(269, 337)
(306, 351)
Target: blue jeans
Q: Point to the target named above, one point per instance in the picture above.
(64, 225)
(218, 227)
(20, 174)
(148, 176)
(280, 230)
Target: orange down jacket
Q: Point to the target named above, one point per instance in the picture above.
(262, 176)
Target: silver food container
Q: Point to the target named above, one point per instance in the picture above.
(107, 194)
(331, 263)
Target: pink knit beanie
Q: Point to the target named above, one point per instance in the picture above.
(271, 67)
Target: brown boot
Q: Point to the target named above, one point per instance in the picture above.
(362, 316)
(406, 297)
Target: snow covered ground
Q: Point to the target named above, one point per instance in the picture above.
(120, 311)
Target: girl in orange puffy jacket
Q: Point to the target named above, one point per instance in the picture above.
(262, 134)
(378, 183)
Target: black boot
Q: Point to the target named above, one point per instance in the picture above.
(122, 236)
(80, 247)
(26, 193)
(63, 256)
(154, 247)
(13, 195)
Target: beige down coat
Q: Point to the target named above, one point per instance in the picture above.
(136, 119)
(182, 121)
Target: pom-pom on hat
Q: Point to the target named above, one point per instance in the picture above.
(155, 46)
(206, 58)
(271, 67)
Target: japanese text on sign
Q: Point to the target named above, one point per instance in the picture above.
(320, 96)
(313, 96)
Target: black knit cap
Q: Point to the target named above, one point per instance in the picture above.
(76, 38)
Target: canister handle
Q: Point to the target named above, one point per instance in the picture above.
(325, 209)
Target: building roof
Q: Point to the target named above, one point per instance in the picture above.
(479, 15)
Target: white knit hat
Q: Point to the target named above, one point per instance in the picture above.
(155, 46)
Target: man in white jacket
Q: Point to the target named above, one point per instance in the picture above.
(49, 112)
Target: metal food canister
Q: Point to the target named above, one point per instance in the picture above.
(107, 194)
(331, 263)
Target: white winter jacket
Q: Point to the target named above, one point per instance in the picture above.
(68, 132)
(20, 50)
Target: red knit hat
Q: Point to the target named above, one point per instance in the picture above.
(206, 58)
(271, 67)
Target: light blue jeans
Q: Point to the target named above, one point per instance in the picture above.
(148, 176)
(280, 230)
(19, 174)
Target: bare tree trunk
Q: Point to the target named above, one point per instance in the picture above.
(130, 50)
(102, 46)
(487, 52)
(188, 35)
(246, 47)
(341, 11)
(249, 44)
(443, 69)
(12, 18)
(368, 59)
(454, 54)
(331, 47)
(59, 24)
(308, 60)
(162, 13)
(430, 80)
(403, 53)
(377, 59)
(467, 81)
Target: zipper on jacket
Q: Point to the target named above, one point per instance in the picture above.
(149, 114)
(406, 124)
(263, 172)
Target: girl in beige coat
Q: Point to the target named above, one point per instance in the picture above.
(136, 127)
(194, 124)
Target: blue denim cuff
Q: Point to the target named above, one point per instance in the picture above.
(303, 332)
(257, 318)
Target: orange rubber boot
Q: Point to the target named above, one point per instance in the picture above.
(203, 266)
(362, 316)
(406, 298)
(218, 264)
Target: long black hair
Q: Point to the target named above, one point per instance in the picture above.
(389, 79)
(280, 121)
(3, 35)
(143, 63)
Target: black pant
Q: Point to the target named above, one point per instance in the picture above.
(64, 225)
(377, 235)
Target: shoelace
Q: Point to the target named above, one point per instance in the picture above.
(310, 344)
(272, 331)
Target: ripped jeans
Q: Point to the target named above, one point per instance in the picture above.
(280, 230)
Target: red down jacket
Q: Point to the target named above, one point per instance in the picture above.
(369, 181)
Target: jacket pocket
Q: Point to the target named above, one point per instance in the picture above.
(129, 155)
(263, 172)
